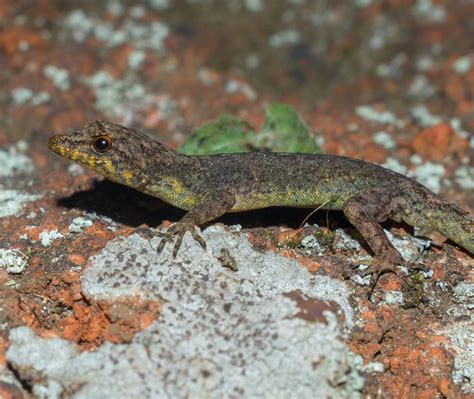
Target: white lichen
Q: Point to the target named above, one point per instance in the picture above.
(13, 261)
(47, 237)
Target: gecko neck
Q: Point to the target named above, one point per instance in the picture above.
(172, 176)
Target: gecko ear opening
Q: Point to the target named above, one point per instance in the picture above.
(102, 144)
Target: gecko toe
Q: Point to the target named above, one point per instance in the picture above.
(160, 246)
(197, 237)
(164, 240)
(381, 267)
(178, 242)
(177, 232)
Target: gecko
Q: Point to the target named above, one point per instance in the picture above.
(208, 187)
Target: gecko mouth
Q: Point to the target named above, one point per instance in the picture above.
(101, 165)
(55, 145)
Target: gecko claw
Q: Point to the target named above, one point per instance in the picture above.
(381, 267)
(177, 231)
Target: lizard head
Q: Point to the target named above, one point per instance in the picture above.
(114, 151)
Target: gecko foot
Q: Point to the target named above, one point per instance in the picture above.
(178, 230)
(382, 266)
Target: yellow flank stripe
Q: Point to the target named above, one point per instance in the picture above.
(73, 154)
(286, 197)
(177, 186)
(171, 190)
(109, 168)
(127, 176)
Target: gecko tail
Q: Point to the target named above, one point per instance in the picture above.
(453, 222)
(423, 208)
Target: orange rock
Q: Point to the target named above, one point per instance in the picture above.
(4, 276)
(114, 333)
(403, 152)
(77, 297)
(385, 314)
(394, 365)
(48, 334)
(444, 387)
(10, 391)
(438, 272)
(439, 339)
(166, 224)
(118, 60)
(286, 236)
(390, 282)
(145, 320)
(77, 259)
(455, 88)
(371, 348)
(94, 329)
(3, 10)
(421, 335)
(333, 147)
(268, 244)
(438, 354)
(288, 254)
(33, 233)
(11, 38)
(66, 120)
(374, 153)
(70, 277)
(465, 108)
(70, 328)
(3, 346)
(438, 141)
(314, 266)
(55, 281)
(65, 297)
(369, 314)
(372, 328)
(428, 394)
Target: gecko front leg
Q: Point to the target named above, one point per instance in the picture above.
(214, 205)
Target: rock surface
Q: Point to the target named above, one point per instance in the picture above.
(85, 304)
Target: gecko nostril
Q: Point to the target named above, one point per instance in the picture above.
(52, 142)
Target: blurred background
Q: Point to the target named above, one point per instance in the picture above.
(390, 81)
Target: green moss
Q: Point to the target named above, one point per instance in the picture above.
(414, 291)
(292, 242)
(325, 238)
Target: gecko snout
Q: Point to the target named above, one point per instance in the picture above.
(56, 144)
(53, 142)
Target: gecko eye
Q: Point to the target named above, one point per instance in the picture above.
(102, 144)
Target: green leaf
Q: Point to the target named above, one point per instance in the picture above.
(225, 134)
(282, 131)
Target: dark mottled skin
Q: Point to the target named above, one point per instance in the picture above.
(210, 186)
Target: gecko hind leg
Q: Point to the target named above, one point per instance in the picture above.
(365, 212)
